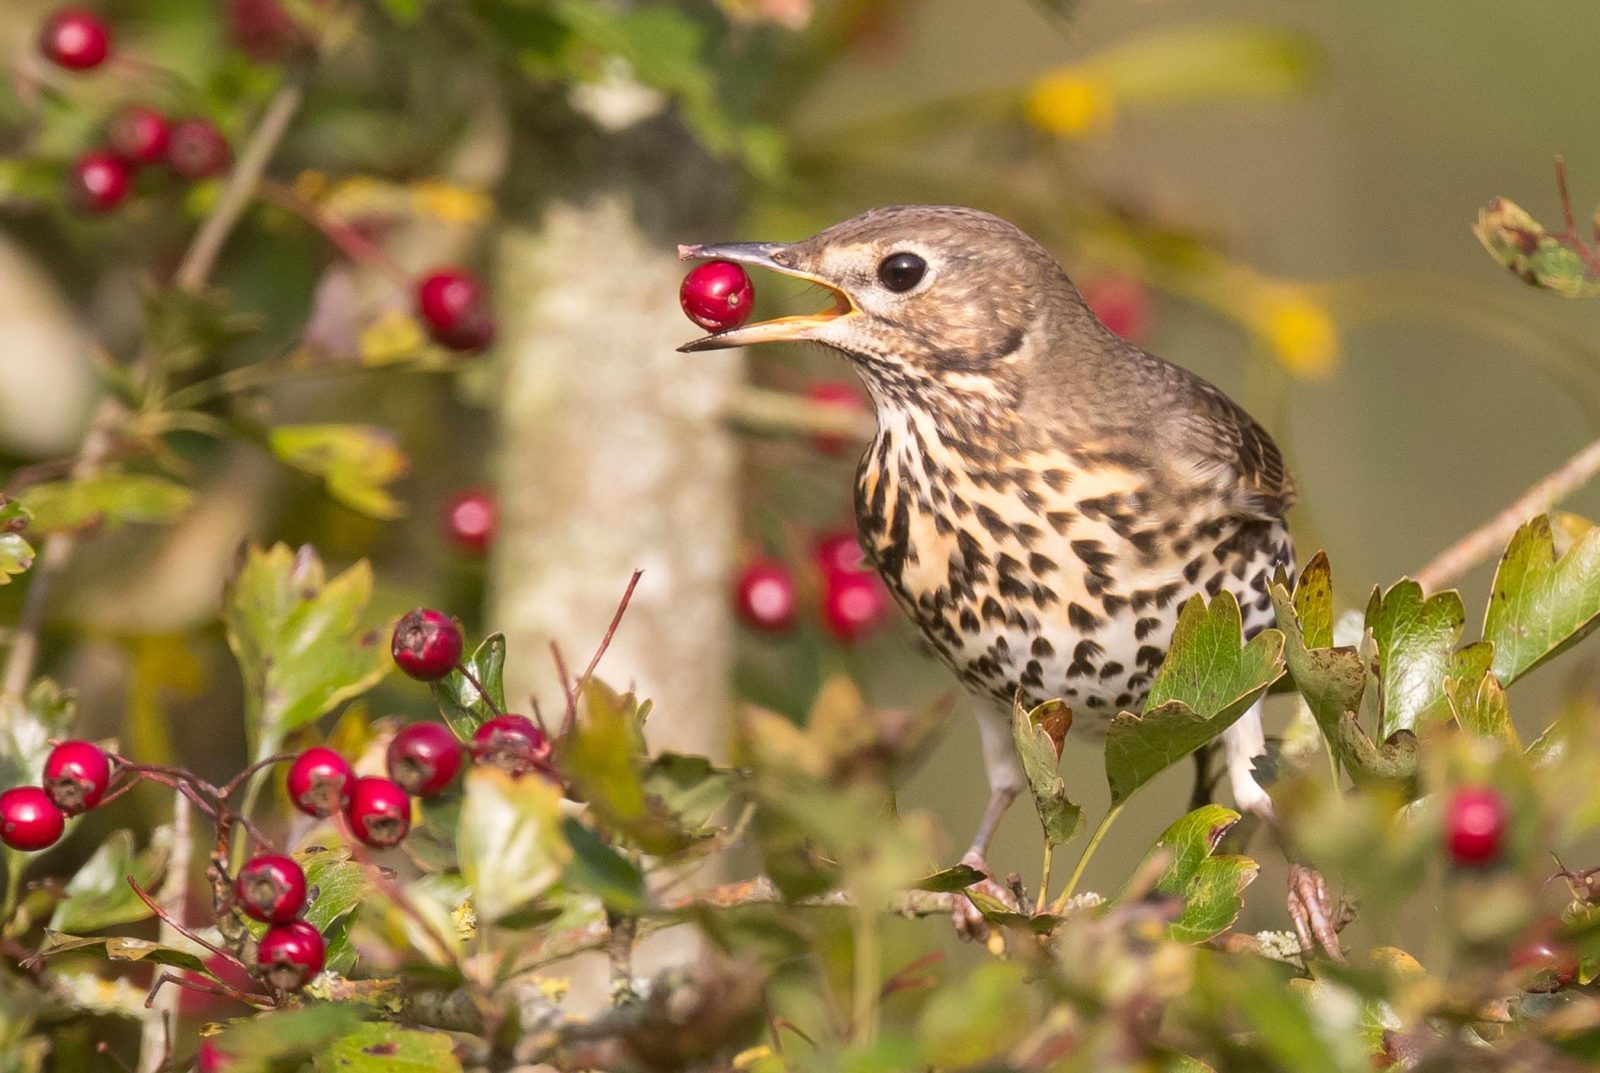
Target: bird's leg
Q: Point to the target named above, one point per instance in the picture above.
(1310, 906)
(1004, 769)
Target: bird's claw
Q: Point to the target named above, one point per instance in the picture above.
(970, 923)
(1312, 911)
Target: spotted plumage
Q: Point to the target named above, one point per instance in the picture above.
(1041, 496)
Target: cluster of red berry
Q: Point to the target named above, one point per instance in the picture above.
(138, 136)
(76, 774)
(422, 760)
(853, 599)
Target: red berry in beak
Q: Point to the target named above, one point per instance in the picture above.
(717, 295)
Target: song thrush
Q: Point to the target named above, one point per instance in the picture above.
(1041, 496)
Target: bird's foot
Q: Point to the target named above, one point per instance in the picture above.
(1313, 912)
(970, 924)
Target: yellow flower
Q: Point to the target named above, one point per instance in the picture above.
(1071, 104)
(452, 204)
(1301, 334)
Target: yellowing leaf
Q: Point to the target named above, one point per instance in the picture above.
(1541, 605)
(393, 337)
(509, 840)
(355, 461)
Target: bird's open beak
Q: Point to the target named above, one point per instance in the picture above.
(780, 330)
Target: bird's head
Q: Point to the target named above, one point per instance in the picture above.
(920, 293)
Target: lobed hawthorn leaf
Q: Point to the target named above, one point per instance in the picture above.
(459, 701)
(16, 554)
(1331, 680)
(98, 894)
(1040, 752)
(1211, 886)
(1394, 761)
(104, 499)
(1416, 640)
(1209, 679)
(1479, 706)
(356, 462)
(299, 640)
(1535, 256)
(1541, 605)
(383, 1047)
(603, 757)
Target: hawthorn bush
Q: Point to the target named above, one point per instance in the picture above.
(384, 893)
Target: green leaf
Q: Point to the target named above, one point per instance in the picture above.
(104, 499)
(950, 880)
(1479, 705)
(379, 1047)
(509, 840)
(185, 330)
(1416, 639)
(1539, 605)
(278, 1038)
(602, 759)
(16, 555)
(1330, 679)
(975, 1020)
(357, 462)
(98, 895)
(1209, 679)
(691, 787)
(597, 868)
(1211, 886)
(1041, 755)
(462, 706)
(299, 640)
(340, 886)
(1535, 256)
(118, 948)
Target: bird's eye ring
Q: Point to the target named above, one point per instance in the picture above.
(901, 271)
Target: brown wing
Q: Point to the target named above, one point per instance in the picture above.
(1227, 448)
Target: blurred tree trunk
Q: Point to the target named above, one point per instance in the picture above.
(613, 453)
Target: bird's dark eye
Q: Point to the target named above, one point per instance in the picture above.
(901, 271)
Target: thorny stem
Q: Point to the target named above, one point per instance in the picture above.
(864, 1011)
(1491, 537)
(165, 917)
(1110, 817)
(229, 788)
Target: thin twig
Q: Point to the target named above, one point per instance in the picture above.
(1491, 537)
(229, 788)
(241, 185)
(165, 917)
(611, 630)
(466, 672)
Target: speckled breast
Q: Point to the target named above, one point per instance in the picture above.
(1043, 575)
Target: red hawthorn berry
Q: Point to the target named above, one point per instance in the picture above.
(265, 31)
(469, 520)
(717, 295)
(839, 552)
(426, 644)
(290, 954)
(76, 774)
(75, 39)
(513, 743)
(454, 307)
(99, 181)
(139, 134)
(271, 888)
(1122, 303)
(1475, 825)
(197, 150)
(423, 758)
(1550, 963)
(853, 605)
(765, 596)
(29, 820)
(320, 782)
(839, 394)
(379, 812)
